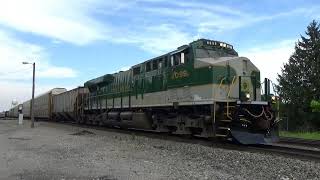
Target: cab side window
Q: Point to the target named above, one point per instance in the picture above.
(160, 63)
(171, 61)
(166, 61)
(154, 64)
(179, 58)
(136, 70)
(185, 56)
(148, 66)
(176, 59)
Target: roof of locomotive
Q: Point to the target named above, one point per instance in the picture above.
(199, 43)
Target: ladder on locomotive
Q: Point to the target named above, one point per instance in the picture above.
(223, 123)
(224, 119)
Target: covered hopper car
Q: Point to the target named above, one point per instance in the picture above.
(26, 109)
(14, 112)
(43, 103)
(66, 106)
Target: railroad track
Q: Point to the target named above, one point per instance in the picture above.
(300, 141)
(288, 149)
(292, 151)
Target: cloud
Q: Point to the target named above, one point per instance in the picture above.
(14, 51)
(270, 58)
(15, 77)
(53, 72)
(180, 23)
(81, 22)
(13, 91)
(141, 22)
(68, 21)
(157, 39)
(205, 18)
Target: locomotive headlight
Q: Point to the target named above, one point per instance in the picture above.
(273, 98)
(248, 95)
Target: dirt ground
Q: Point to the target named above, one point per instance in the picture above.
(58, 151)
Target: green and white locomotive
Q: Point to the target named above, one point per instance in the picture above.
(203, 89)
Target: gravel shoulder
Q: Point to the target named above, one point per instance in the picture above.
(58, 151)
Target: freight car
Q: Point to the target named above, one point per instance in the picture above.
(6, 113)
(26, 109)
(2, 114)
(66, 105)
(43, 103)
(14, 112)
(203, 89)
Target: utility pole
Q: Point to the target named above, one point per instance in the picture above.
(33, 86)
(32, 100)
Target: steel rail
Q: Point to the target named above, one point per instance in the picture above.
(300, 141)
(292, 151)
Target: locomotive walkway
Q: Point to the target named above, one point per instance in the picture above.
(59, 151)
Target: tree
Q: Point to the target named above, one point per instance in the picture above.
(299, 81)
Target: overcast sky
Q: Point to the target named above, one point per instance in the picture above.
(76, 40)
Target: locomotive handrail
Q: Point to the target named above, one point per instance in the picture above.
(224, 78)
(232, 85)
(228, 115)
(221, 81)
(100, 95)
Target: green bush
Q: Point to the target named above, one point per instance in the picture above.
(299, 119)
(315, 106)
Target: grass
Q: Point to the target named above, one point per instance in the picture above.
(303, 135)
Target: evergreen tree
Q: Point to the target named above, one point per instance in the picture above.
(299, 82)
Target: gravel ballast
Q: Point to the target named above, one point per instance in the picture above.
(58, 151)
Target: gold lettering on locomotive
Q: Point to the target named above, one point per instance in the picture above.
(180, 74)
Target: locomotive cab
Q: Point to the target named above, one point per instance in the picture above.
(236, 90)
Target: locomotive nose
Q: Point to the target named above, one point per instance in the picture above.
(254, 123)
(245, 137)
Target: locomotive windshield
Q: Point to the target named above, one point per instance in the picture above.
(214, 53)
